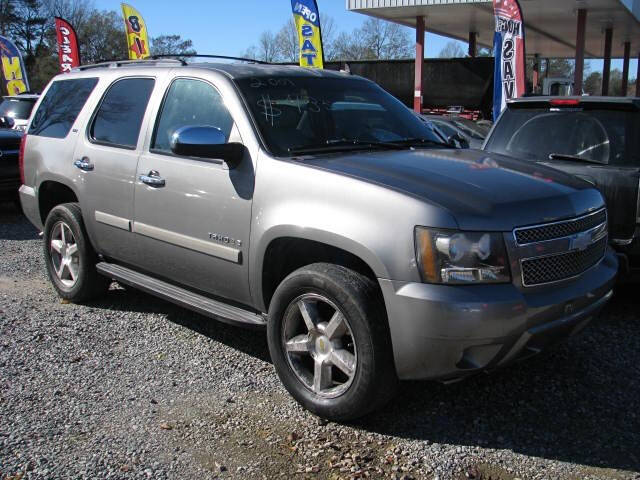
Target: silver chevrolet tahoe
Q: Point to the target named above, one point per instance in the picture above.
(316, 205)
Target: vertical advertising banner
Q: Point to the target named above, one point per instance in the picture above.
(68, 51)
(13, 70)
(509, 52)
(307, 19)
(137, 35)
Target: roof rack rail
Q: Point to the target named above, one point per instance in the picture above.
(181, 57)
(121, 63)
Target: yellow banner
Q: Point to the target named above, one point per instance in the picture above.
(307, 18)
(137, 35)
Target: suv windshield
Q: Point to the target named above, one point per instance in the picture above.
(596, 136)
(19, 109)
(302, 113)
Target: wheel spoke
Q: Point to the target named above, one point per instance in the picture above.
(72, 249)
(306, 315)
(62, 234)
(336, 326)
(298, 344)
(60, 269)
(56, 245)
(73, 270)
(322, 378)
(344, 360)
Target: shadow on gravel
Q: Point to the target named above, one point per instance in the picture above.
(14, 225)
(248, 341)
(578, 403)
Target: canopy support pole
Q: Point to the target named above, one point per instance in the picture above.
(606, 69)
(417, 95)
(580, 39)
(625, 68)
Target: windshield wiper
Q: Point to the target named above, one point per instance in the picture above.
(419, 142)
(338, 145)
(571, 158)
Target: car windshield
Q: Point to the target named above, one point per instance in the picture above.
(303, 113)
(588, 135)
(19, 109)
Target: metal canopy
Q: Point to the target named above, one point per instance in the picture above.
(550, 25)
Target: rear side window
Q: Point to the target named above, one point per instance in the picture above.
(61, 106)
(119, 117)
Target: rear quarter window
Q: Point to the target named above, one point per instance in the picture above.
(61, 106)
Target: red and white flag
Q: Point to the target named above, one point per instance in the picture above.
(509, 53)
(68, 51)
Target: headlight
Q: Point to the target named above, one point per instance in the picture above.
(453, 257)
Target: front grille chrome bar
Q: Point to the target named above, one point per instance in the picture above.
(560, 229)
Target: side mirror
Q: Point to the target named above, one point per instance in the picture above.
(7, 122)
(206, 142)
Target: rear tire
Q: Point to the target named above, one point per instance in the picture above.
(69, 257)
(329, 341)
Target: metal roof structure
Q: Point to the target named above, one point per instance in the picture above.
(550, 25)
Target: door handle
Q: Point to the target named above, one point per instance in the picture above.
(153, 179)
(84, 164)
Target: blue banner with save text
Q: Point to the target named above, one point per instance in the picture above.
(307, 20)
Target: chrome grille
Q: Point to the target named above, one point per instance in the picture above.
(562, 266)
(561, 229)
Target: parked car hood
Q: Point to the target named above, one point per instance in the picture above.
(483, 191)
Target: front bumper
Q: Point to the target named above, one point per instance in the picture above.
(446, 332)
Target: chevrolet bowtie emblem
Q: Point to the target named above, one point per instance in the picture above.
(581, 241)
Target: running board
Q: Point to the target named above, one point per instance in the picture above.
(180, 296)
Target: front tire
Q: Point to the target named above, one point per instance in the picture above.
(329, 342)
(69, 257)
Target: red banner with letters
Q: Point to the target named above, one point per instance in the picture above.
(68, 51)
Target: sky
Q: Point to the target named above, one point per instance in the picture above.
(230, 27)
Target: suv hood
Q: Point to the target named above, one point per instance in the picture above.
(483, 191)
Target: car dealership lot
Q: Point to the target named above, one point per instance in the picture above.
(133, 387)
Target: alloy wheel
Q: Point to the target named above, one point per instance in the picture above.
(319, 345)
(64, 254)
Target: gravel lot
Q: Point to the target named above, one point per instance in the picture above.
(133, 387)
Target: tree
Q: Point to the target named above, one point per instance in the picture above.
(559, 67)
(593, 84)
(451, 50)
(384, 40)
(171, 45)
(287, 42)
(268, 47)
(349, 46)
(250, 53)
(102, 37)
(75, 12)
(328, 28)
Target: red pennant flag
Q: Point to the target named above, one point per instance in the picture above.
(68, 51)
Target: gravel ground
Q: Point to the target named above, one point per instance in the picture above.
(133, 387)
